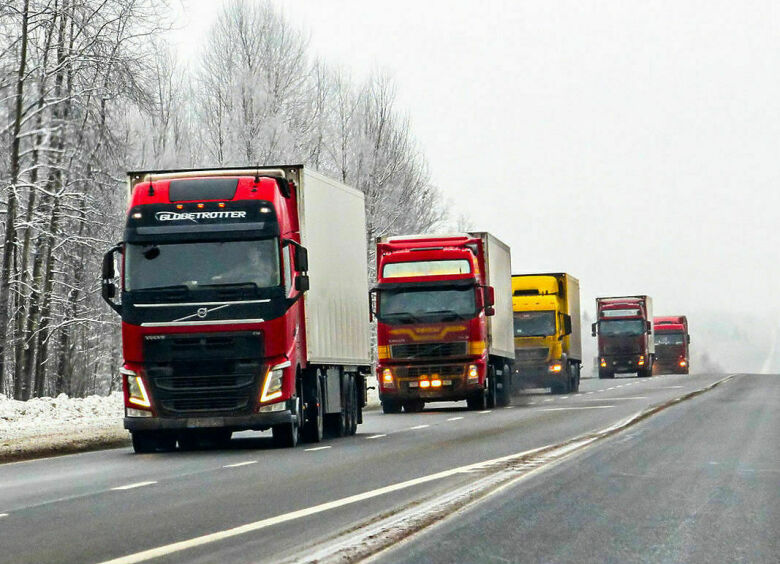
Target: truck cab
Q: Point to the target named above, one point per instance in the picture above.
(433, 305)
(625, 335)
(672, 344)
(548, 351)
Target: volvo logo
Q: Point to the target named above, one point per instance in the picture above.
(202, 312)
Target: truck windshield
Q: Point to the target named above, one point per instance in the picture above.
(627, 327)
(408, 306)
(534, 323)
(197, 265)
(670, 338)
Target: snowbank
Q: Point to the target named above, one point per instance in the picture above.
(44, 426)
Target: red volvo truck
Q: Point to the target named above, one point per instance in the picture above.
(672, 344)
(625, 335)
(445, 328)
(243, 305)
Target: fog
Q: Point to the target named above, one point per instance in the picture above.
(634, 145)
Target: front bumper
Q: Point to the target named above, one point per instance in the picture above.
(253, 422)
(454, 377)
(538, 375)
(624, 363)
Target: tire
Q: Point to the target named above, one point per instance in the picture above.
(286, 435)
(314, 423)
(491, 388)
(575, 368)
(352, 408)
(145, 442)
(414, 406)
(391, 406)
(504, 388)
(477, 402)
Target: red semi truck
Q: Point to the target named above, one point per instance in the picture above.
(445, 328)
(221, 331)
(625, 335)
(672, 344)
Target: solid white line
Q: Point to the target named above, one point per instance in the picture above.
(132, 486)
(486, 411)
(237, 464)
(317, 448)
(418, 427)
(572, 408)
(376, 436)
(615, 399)
(454, 418)
(285, 517)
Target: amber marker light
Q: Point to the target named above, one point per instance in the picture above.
(222, 204)
(179, 206)
(200, 206)
(683, 363)
(641, 361)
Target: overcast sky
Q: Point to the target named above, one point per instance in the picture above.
(632, 144)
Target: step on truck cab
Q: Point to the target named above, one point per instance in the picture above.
(444, 320)
(624, 328)
(548, 337)
(672, 344)
(243, 305)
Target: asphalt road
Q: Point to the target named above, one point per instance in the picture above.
(699, 482)
(254, 503)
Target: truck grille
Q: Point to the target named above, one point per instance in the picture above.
(452, 371)
(531, 355)
(429, 350)
(204, 373)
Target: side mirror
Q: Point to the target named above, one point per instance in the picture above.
(490, 311)
(301, 259)
(302, 282)
(108, 273)
(566, 324)
(593, 329)
(489, 296)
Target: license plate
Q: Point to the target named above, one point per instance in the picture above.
(200, 422)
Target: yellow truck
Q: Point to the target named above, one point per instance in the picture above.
(548, 340)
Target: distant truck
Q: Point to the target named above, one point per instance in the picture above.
(625, 335)
(221, 331)
(444, 311)
(672, 344)
(548, 339)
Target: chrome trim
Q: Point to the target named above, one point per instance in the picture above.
(192, 323)
(241, 302)
(202, 312)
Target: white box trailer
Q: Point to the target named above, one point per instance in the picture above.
(498, 261)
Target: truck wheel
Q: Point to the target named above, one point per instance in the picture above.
(352, 408)
(414, 406)
(575, 369)
(286, 435)
(504, 387)
(314, 423)
(491, 388)
(391, 406)
(477, 402)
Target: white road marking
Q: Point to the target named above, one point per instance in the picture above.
(3, 515)
(509, 406)
(418, 427)
(285, 517)
(549, 399)
(237, 464)
(317, 448)
(133, 486)
(587, 393)
(454, 418)
(486, 411)
(573, 408)
(376, 436)
(564, 397)
(612, 388)
(615, 399)
(531, 403)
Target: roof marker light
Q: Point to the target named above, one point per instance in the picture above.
(222, 204)
(179, 207)
(137, 215)
(200, 206)
(265, 209)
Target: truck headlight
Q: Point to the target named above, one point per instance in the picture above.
(387, 378)
(136, 391)
(557, 367)
(641, 361)
(272, 386)
(473, 374)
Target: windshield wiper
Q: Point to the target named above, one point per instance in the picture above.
(167, 289)
(231, 286)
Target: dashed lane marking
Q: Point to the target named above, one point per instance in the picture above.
(133, 486)
(550, 399)
(418, 427)
(237, 464)
(376, 436)
(615, 399)
(486, 411)
(317, 448)
(564, 397)
(454, 418)
(3, 515)
(509, 406)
